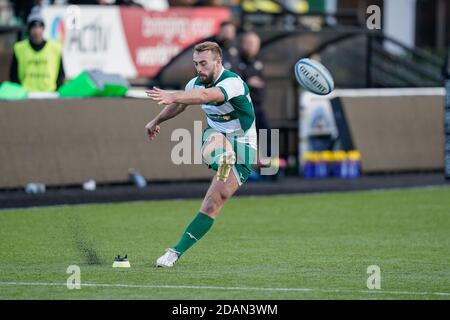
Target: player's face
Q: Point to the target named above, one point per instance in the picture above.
(207, 66)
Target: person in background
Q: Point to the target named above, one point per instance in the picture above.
(37, 63)
(250, 68)
(227, 42)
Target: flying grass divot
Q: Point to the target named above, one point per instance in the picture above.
(121, 262)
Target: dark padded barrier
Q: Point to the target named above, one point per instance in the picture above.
(69, 141)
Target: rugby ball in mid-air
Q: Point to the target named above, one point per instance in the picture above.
(313, 76)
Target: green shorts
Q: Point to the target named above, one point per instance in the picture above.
(245, 155)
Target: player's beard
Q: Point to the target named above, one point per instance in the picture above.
(208, 80)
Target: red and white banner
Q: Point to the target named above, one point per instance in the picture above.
(129, 41)
(155, 37)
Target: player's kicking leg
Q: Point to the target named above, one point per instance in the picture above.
(217, 151)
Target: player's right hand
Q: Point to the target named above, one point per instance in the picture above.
(152, 129)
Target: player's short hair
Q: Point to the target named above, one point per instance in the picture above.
(209, 46)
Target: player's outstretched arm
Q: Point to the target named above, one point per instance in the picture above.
(190, 97)
(153, 127)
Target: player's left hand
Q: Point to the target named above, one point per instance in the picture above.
(160, 96)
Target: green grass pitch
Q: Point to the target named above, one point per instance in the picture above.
(314, 246)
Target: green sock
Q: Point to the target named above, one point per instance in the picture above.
(194, 232)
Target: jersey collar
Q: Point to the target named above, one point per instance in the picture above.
(220, 74)
(215, 80)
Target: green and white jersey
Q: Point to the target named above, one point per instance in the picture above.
(236, 114)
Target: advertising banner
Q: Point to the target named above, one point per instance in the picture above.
(92, 38)
(131, 42)
(155, 37)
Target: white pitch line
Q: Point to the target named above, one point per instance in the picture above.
(118, 285)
